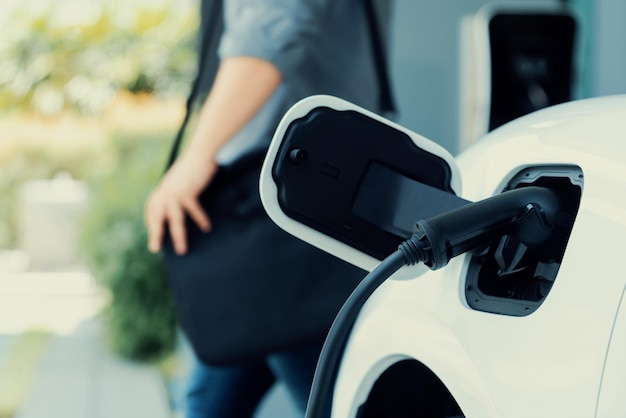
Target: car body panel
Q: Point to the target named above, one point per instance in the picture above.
(558, 361)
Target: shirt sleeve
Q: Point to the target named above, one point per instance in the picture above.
(279, 31)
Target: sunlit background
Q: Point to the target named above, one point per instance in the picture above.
(91, 94)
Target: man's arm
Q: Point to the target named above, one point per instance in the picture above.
(241, 87)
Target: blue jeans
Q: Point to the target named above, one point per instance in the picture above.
(236, 391)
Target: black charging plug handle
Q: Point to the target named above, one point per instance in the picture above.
(528, 213)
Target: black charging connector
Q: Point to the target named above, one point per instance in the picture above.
(527, 213)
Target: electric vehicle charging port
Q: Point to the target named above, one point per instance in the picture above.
(507, 277)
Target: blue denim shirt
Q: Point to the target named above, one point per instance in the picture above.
(319, 46)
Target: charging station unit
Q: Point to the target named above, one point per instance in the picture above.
(514, 60)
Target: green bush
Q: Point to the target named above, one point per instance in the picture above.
(50, 63)
(65, 57)
(140, 318)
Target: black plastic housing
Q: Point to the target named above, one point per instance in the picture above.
(532, 62)
(366, 183)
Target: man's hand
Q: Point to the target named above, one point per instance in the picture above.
(176, 196)
(241, 87)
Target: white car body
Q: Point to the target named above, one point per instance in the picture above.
(565, 359)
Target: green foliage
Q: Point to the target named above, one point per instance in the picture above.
(140, 318)
(68, 57)
(50, 63)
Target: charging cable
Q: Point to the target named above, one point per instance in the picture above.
(528, 213)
